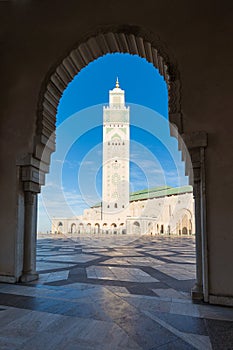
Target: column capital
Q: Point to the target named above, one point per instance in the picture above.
(195, 139)
(30, 160)
(32, 172)
(32, 178)
(196, 142)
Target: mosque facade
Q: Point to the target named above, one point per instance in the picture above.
(160, 210)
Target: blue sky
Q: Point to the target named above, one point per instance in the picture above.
(74, 181)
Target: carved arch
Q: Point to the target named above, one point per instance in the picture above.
(123, 39)
(135, 41)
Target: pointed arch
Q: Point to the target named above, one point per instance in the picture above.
(122, 39)
(135, 41)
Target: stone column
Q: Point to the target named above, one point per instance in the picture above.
(197, 291)
(32, 177)
(196, 143)
(29, 257)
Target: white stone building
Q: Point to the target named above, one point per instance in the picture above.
(161, 210)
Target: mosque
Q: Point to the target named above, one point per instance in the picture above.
(45, 45)
(160, 210)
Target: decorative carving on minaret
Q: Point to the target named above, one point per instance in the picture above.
(115, 181)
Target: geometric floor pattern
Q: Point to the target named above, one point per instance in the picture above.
(112, 293)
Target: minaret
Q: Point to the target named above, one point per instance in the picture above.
(115, 180)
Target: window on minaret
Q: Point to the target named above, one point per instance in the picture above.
(115, 205)
(116, 99)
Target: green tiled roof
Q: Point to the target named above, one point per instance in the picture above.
(159, 192)
(97, 205)
(156, 192)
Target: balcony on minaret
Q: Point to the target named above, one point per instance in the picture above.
(116, 111)
(117, 96)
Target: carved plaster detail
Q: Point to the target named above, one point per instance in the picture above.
(125, 39)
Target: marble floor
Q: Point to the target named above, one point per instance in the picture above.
(112, 293)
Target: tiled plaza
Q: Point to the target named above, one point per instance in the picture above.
(112, 293)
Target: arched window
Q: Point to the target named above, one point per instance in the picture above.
(97, 228)
(60, 227)
(73, 228)
(136, 227)
(114, 228)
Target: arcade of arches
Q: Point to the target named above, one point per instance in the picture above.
(184, 227)
(42, 55)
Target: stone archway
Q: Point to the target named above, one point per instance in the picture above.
(114, 228)
(123, 39)
(122, 228)
(150, 228)
(88, 228)
(136, 229)
(73, 228)
(97, 228)
(81, 228)
(126, 39)
(60, 227)
(184, 222)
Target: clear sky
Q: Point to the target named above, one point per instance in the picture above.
(74, 181)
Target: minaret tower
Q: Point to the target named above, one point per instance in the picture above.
(115, 180)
